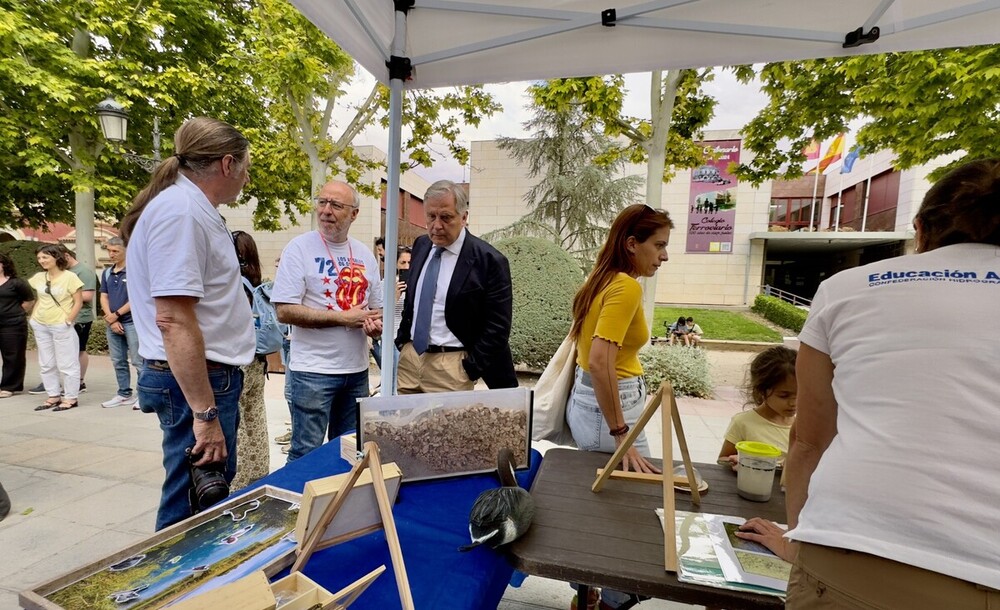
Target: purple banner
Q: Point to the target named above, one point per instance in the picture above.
(712, 204)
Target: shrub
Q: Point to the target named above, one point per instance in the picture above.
(545, 278)
(685, 367)
(782, 313)
(23, 254)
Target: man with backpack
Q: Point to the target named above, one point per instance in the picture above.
(123, 340)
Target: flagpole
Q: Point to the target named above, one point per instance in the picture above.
(812, 208)
(868, 192)
(840, 195)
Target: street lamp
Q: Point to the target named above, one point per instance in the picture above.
(114, 124)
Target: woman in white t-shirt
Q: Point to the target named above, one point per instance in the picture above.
(892, 495)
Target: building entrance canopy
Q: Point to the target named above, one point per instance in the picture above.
(801, 242)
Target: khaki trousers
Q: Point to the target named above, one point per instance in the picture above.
(428, 373)
(830, 578)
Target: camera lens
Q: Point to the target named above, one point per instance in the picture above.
(208, 483)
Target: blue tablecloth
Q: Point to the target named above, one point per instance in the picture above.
(432, 519)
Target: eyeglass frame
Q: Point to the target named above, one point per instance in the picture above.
(336, 206)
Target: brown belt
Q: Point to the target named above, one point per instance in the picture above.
(163, 365)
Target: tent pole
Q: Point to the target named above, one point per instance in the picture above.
(392, 210)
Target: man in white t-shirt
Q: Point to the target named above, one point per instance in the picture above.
(328, 287)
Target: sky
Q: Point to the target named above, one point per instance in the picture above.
(738, 103)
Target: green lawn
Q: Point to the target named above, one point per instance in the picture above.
(717, 324)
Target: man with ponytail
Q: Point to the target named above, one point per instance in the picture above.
(188, 305)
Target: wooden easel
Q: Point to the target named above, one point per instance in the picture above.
(665, 401)
(346, 596)
(314, 541)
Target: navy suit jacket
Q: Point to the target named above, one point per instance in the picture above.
(477, 310)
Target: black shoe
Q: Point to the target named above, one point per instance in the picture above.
(83, 387)
(38, 389)
(4, 503)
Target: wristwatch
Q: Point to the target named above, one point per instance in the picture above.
(208, 414)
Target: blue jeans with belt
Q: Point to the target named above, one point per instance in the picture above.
(323, 406)
(160, 393)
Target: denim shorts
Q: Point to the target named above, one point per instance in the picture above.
(587, 423)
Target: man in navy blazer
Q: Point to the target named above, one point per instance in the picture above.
(455, 327)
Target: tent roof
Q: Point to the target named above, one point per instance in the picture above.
(451, 42)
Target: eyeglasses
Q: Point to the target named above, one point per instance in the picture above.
(333, 204)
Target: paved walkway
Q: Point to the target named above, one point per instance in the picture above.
(85, 483)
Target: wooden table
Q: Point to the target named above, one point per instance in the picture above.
(614, 539)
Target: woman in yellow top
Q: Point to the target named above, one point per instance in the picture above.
(58, 303)
(610, 328)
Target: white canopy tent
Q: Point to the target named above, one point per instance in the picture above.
(417, 44)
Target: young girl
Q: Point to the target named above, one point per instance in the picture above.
(771, 389)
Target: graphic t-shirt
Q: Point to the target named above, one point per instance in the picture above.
(333, 277)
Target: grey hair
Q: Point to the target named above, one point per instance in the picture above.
(115, 241)
(443, 187)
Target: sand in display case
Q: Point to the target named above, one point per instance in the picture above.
(449, 433)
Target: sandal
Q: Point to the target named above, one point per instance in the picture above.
(66, 405)
(48, 404)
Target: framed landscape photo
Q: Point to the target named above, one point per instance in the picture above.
(251, 532)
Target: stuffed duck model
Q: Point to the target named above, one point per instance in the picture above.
(501, 515)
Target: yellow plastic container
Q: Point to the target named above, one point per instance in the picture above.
(755, 473)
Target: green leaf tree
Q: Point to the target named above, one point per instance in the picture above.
(579, 189)
(61, 58)
(921, 105)
(303, 74)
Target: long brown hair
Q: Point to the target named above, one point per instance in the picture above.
(962, 207)
(198, 143)
(246, 253)
(639, 221)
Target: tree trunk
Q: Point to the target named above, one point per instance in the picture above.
(317, 170)
(662, 93)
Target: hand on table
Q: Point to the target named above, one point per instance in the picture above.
(770, 535)
(633, 460)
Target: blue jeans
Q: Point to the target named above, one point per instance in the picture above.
(124, 349)
(590, 430)
(323, 407)
(160, 393)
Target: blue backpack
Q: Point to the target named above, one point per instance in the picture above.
(270, 333)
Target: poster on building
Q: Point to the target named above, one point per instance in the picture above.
(712, 203)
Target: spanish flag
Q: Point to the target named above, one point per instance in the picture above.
(832, 155)
(811, 151)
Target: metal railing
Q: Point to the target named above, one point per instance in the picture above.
(794, 299)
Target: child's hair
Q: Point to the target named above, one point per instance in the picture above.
(768, 369)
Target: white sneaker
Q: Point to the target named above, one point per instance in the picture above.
(120, 401)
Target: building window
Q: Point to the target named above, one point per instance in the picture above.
(791, 212)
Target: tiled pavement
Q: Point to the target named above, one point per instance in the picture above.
(85, 483)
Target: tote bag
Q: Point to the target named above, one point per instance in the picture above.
(551, 393)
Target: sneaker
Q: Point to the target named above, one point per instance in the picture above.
(119, 401)
(83, 387)
(286, 448)
(38, 389)
(284, 439)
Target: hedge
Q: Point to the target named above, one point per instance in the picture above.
(685, 367)
(782, 313)
(545, 278)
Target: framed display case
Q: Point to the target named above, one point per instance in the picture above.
(450, 433)
(251, 532)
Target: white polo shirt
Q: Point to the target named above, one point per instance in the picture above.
(181, 247)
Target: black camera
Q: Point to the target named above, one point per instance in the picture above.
(208, 482)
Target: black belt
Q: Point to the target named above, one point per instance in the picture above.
(163, 365)
(442, 349)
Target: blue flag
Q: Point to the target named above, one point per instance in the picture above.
(849, 160)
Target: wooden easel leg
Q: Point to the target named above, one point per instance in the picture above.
(309, 546)
(685, 454)
(647, 412)
(346, 596)
(669, 509)
(391, 537)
